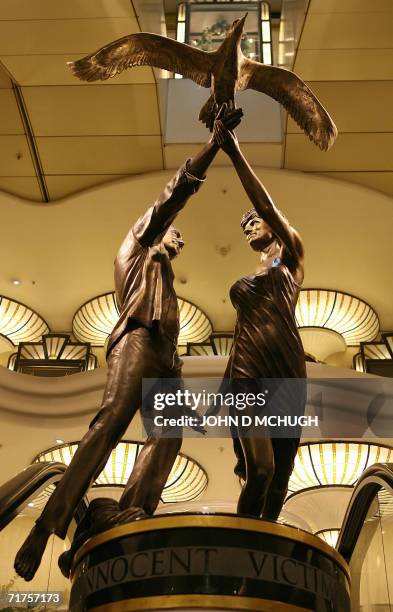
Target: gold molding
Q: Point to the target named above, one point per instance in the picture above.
(212, 521)
(173, 602)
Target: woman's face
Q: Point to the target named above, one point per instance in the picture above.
(258, 233)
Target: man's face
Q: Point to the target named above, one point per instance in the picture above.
(173, 242)
(258, 233)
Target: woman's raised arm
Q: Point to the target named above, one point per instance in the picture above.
(260, 197)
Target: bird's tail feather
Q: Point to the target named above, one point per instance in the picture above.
(207, 112)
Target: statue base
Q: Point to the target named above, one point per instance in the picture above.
(216, 562)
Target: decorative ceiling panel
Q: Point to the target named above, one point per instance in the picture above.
(10, 121)
(351, 6)
(15, 157)
(345, 64)
(52, 36)
(370, 152)
(47, 9)
(40, 70)
(342, 97)
(101, 130)
(346, 56)
(347, 30)
(5, 81)
(90, 111)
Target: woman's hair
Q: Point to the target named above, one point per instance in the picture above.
(250, 214)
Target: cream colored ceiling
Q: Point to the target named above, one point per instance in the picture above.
(85, 134)
(68, 248)
(346, 55)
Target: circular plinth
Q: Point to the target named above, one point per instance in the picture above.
(210, 562)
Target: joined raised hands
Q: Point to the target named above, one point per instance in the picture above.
(224, 124)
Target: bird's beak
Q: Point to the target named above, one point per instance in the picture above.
(238, 29)
(241, 22)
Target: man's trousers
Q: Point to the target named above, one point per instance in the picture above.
(140, 353)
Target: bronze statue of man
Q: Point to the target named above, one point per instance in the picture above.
(142, 345)
(266, 344)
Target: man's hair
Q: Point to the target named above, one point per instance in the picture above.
(250, 214)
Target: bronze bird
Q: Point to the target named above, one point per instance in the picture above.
(225, 71)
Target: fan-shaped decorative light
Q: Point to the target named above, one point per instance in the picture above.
(219, 343)
(94, 321)
(54, 353)
(329, 535)
(19, 323)
(222, 343)
(345, 314)
(194, 324)
(388, 339)
(322, 464)
(358, 363)
(374, 352)
(200, 349)
(186, 482)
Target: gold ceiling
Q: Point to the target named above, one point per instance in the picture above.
(82, 134)
(345, 54)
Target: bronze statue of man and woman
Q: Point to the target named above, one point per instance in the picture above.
(143, 342)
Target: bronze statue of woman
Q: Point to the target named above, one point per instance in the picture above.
(267, 344)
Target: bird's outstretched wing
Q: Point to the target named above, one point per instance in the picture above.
(144, 49)
(298, 99)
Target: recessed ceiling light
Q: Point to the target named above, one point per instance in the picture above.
(31, 505)
(16, 281)
(59, 441)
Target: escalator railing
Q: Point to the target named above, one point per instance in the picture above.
(375, 478)
(366, 540)
(33, 486)
(17, 492)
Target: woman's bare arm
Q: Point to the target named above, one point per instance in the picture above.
(260, 197)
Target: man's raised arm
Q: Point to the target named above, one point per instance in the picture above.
(157, 219)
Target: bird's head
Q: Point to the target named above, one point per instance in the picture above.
(236, 28)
